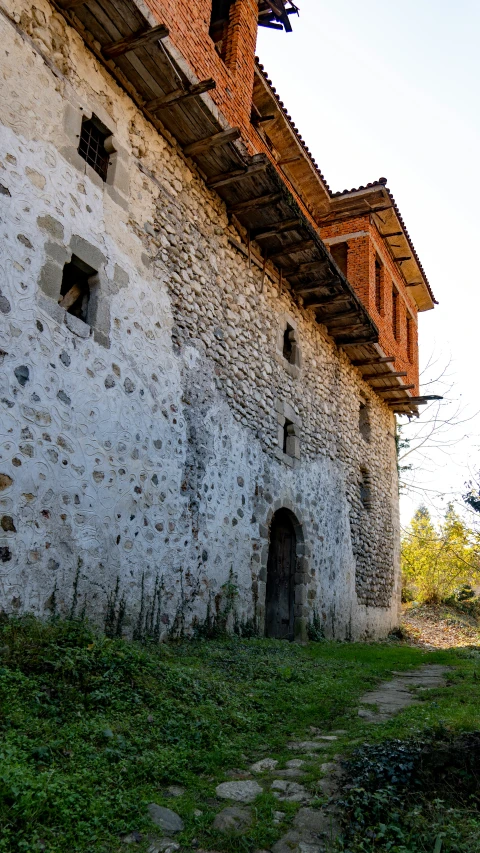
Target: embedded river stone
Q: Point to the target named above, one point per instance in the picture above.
(166, 819)
(241, 792)
(232, 819)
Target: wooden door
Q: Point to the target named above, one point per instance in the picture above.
(280, 599)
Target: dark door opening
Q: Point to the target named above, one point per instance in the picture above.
(280, 598)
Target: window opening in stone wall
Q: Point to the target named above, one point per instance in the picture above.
(365, 488)
(290, 439)
(378, 285)
(339, 252)
(92, 145)
(289, 344)
(75, 289)
(410, 338)
(395, 313)
(364, 420)
(219, 22)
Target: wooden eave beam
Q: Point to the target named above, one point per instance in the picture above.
(356, 342)
(292, 248)
(337, 331)
(387, 375)
(256, 203)
(223, 180)
(364, 362)
(388, 388)
(213, 141)
(134, 41)
(178, 96)
(276, 228)
(330, 320)
(324, 301)
(71, 4)
(311, 266)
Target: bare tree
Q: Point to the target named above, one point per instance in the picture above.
(434, 439)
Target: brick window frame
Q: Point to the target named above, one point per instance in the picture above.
(410, 338)
(395, 313)
(379, 285)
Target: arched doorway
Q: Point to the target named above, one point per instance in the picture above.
(280, 595)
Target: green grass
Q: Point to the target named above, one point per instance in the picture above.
(92, 729)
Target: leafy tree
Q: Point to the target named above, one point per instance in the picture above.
(436, 560)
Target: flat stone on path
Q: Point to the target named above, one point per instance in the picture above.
(167, 820)
(290, 773)
(241, 792)
(163, 845)
(326, 737)
(313, 831)
(289, 792)
(391, 697)
(295, 762)
(232, 819)
(264, 765)
(306, 745)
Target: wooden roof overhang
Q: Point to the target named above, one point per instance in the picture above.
(126, 37)
(377, 201)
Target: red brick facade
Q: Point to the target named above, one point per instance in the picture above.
(365, 247)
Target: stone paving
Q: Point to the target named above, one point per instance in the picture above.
(393, 696)
(314, 829)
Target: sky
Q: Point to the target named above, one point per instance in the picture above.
(383, 89)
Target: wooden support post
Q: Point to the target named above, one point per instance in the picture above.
(364, 362)
(387, 375)
(132, 42)
(235, 175)
(256, 203)
(276, 228)
(179, 95)
(217, 139)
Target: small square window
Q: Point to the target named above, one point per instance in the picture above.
(92, 145)
(75, 289)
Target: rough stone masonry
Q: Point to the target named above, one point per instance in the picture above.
(141, 446)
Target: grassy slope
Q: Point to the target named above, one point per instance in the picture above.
(92, 730)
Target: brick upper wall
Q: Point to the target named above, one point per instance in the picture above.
(363, 250)
(189, 31)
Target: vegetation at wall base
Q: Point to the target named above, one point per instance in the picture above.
(92, 729)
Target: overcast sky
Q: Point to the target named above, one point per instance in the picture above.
(392, 89)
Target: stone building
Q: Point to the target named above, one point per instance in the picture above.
(202, 348)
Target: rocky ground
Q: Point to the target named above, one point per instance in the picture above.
(316, 826)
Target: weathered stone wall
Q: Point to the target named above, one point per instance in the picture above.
(146, 448)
